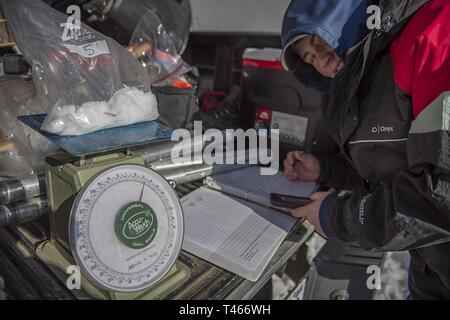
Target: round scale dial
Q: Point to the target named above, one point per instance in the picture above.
(126, 228)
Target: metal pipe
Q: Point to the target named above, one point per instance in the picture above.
(168, 164)
(16, 190)
(33, 209)
(155, 152)
(243, 157)
(163, 151)
(193, 173)
(188, 174)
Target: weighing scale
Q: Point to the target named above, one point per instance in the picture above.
(119, 221)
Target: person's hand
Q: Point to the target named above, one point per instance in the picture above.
(311, 211)
(300, 166)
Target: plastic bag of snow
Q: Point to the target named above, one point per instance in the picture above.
(127, 106)
(77, 70)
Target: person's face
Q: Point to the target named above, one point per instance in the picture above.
(313, 50)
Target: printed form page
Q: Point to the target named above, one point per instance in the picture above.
(228, 233)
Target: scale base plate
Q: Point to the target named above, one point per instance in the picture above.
(51, 256)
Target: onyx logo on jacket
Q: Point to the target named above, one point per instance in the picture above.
(382, 129)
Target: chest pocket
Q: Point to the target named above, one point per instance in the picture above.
(378, 145)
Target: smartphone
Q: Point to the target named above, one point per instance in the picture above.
(323, 188)
(288, 202)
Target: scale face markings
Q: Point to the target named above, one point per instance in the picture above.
(126, 228)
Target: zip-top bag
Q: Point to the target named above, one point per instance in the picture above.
(86, 81)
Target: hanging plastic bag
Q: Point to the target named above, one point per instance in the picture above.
(22, 151)
(87, 80)
(154, 48)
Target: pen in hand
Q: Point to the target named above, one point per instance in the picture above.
(300, 165)
(309, 150)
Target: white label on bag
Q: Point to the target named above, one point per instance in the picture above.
(90, 50)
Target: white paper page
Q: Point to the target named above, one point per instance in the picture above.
(228, 233)
(258, 187)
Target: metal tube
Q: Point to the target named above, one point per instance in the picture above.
(168, 164)
(193, 173)
(33, 209)
(16, 190)
(163, 151)
(246, 156)
(188, 174)
(155, 152)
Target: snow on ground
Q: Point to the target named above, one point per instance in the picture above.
(394, 275)
(283, 286)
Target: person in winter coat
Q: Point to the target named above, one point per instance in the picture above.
(389, 113)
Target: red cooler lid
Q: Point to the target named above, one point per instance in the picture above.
(267, 58)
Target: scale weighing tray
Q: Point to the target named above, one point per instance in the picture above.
(104, 140)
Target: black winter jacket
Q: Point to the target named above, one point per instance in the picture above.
(390, 116)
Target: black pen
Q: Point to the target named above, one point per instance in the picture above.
(309, 150)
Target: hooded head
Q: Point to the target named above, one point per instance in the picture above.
(341, 24)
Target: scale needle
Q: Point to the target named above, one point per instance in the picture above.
(142, 192)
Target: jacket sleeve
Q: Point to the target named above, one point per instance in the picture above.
(414, 209)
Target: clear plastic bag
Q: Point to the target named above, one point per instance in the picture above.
(22, 151)
(79, 73)
(154, 48)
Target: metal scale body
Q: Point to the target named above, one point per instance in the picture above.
(110, 215)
